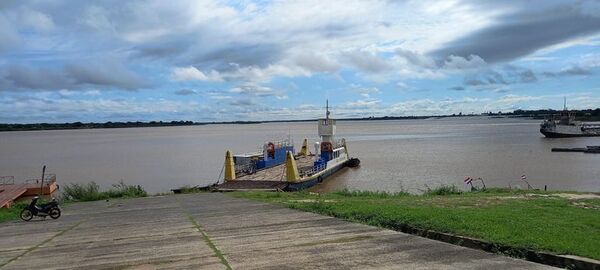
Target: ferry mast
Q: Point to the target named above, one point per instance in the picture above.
(327, 127)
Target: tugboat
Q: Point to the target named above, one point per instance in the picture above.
(564, 125)
(278, 167)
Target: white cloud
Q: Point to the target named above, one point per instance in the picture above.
(513, 99)
(42, 108)
(92, 93)
(315, 62)
(305, 37)
(402, 86)
(36, 20)
(363, 103)
(252, 48)
(365, 92)
(367, 62)
(10, 37)
(66, 93)
(193, 74)
(251, 89)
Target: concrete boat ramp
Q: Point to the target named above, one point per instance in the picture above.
(217, 231)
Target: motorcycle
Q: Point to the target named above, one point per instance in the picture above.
(47, 209)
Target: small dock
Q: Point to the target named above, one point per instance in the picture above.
(11, 192)
(588, 149)
(217, 231)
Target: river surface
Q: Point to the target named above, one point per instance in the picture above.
(407, 155)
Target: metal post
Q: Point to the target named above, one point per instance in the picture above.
(43, 175)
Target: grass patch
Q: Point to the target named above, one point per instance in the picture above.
(375, 194)
(519, 219)
(443, 190)
(91, 192)
(12, 213)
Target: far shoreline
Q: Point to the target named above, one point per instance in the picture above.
(587, 115)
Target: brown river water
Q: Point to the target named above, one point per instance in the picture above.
(395, 155)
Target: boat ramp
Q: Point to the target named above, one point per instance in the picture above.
(217, 231)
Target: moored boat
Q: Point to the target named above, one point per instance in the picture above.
(279, 167)
(564, 126)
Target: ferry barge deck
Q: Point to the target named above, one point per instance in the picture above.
(279, 167)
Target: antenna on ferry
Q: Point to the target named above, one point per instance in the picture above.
(327, 109)
(565, 103)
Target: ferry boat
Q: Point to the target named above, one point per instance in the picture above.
(279, 167)
(564, 125)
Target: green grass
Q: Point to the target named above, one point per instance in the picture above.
(12, 213)
(521, 219)
(443, 190)
(91, 192)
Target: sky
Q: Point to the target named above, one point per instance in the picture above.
(155, 60)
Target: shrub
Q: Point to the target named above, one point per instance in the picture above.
(91, 192)
(83, 192)
(443, 190)
(122, 190)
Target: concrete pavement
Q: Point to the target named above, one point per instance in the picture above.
(216, 231)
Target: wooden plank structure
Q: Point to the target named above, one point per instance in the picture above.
(277, 173)
(270, 179)
(11, 192)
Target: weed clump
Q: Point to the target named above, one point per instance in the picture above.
(91, 192)
(443, 190)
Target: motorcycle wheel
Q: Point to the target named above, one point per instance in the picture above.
(54, 213)
(26, 215)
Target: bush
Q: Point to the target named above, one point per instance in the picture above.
(121, 190)
(83, 192)
(91, 192)
(443, 190)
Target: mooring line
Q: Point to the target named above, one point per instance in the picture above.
(27, 251)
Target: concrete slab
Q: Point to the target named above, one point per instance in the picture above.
(146, 233)
(255, 235)
(162, 233)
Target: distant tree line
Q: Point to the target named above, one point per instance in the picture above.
(80, 125)
(583, 115)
